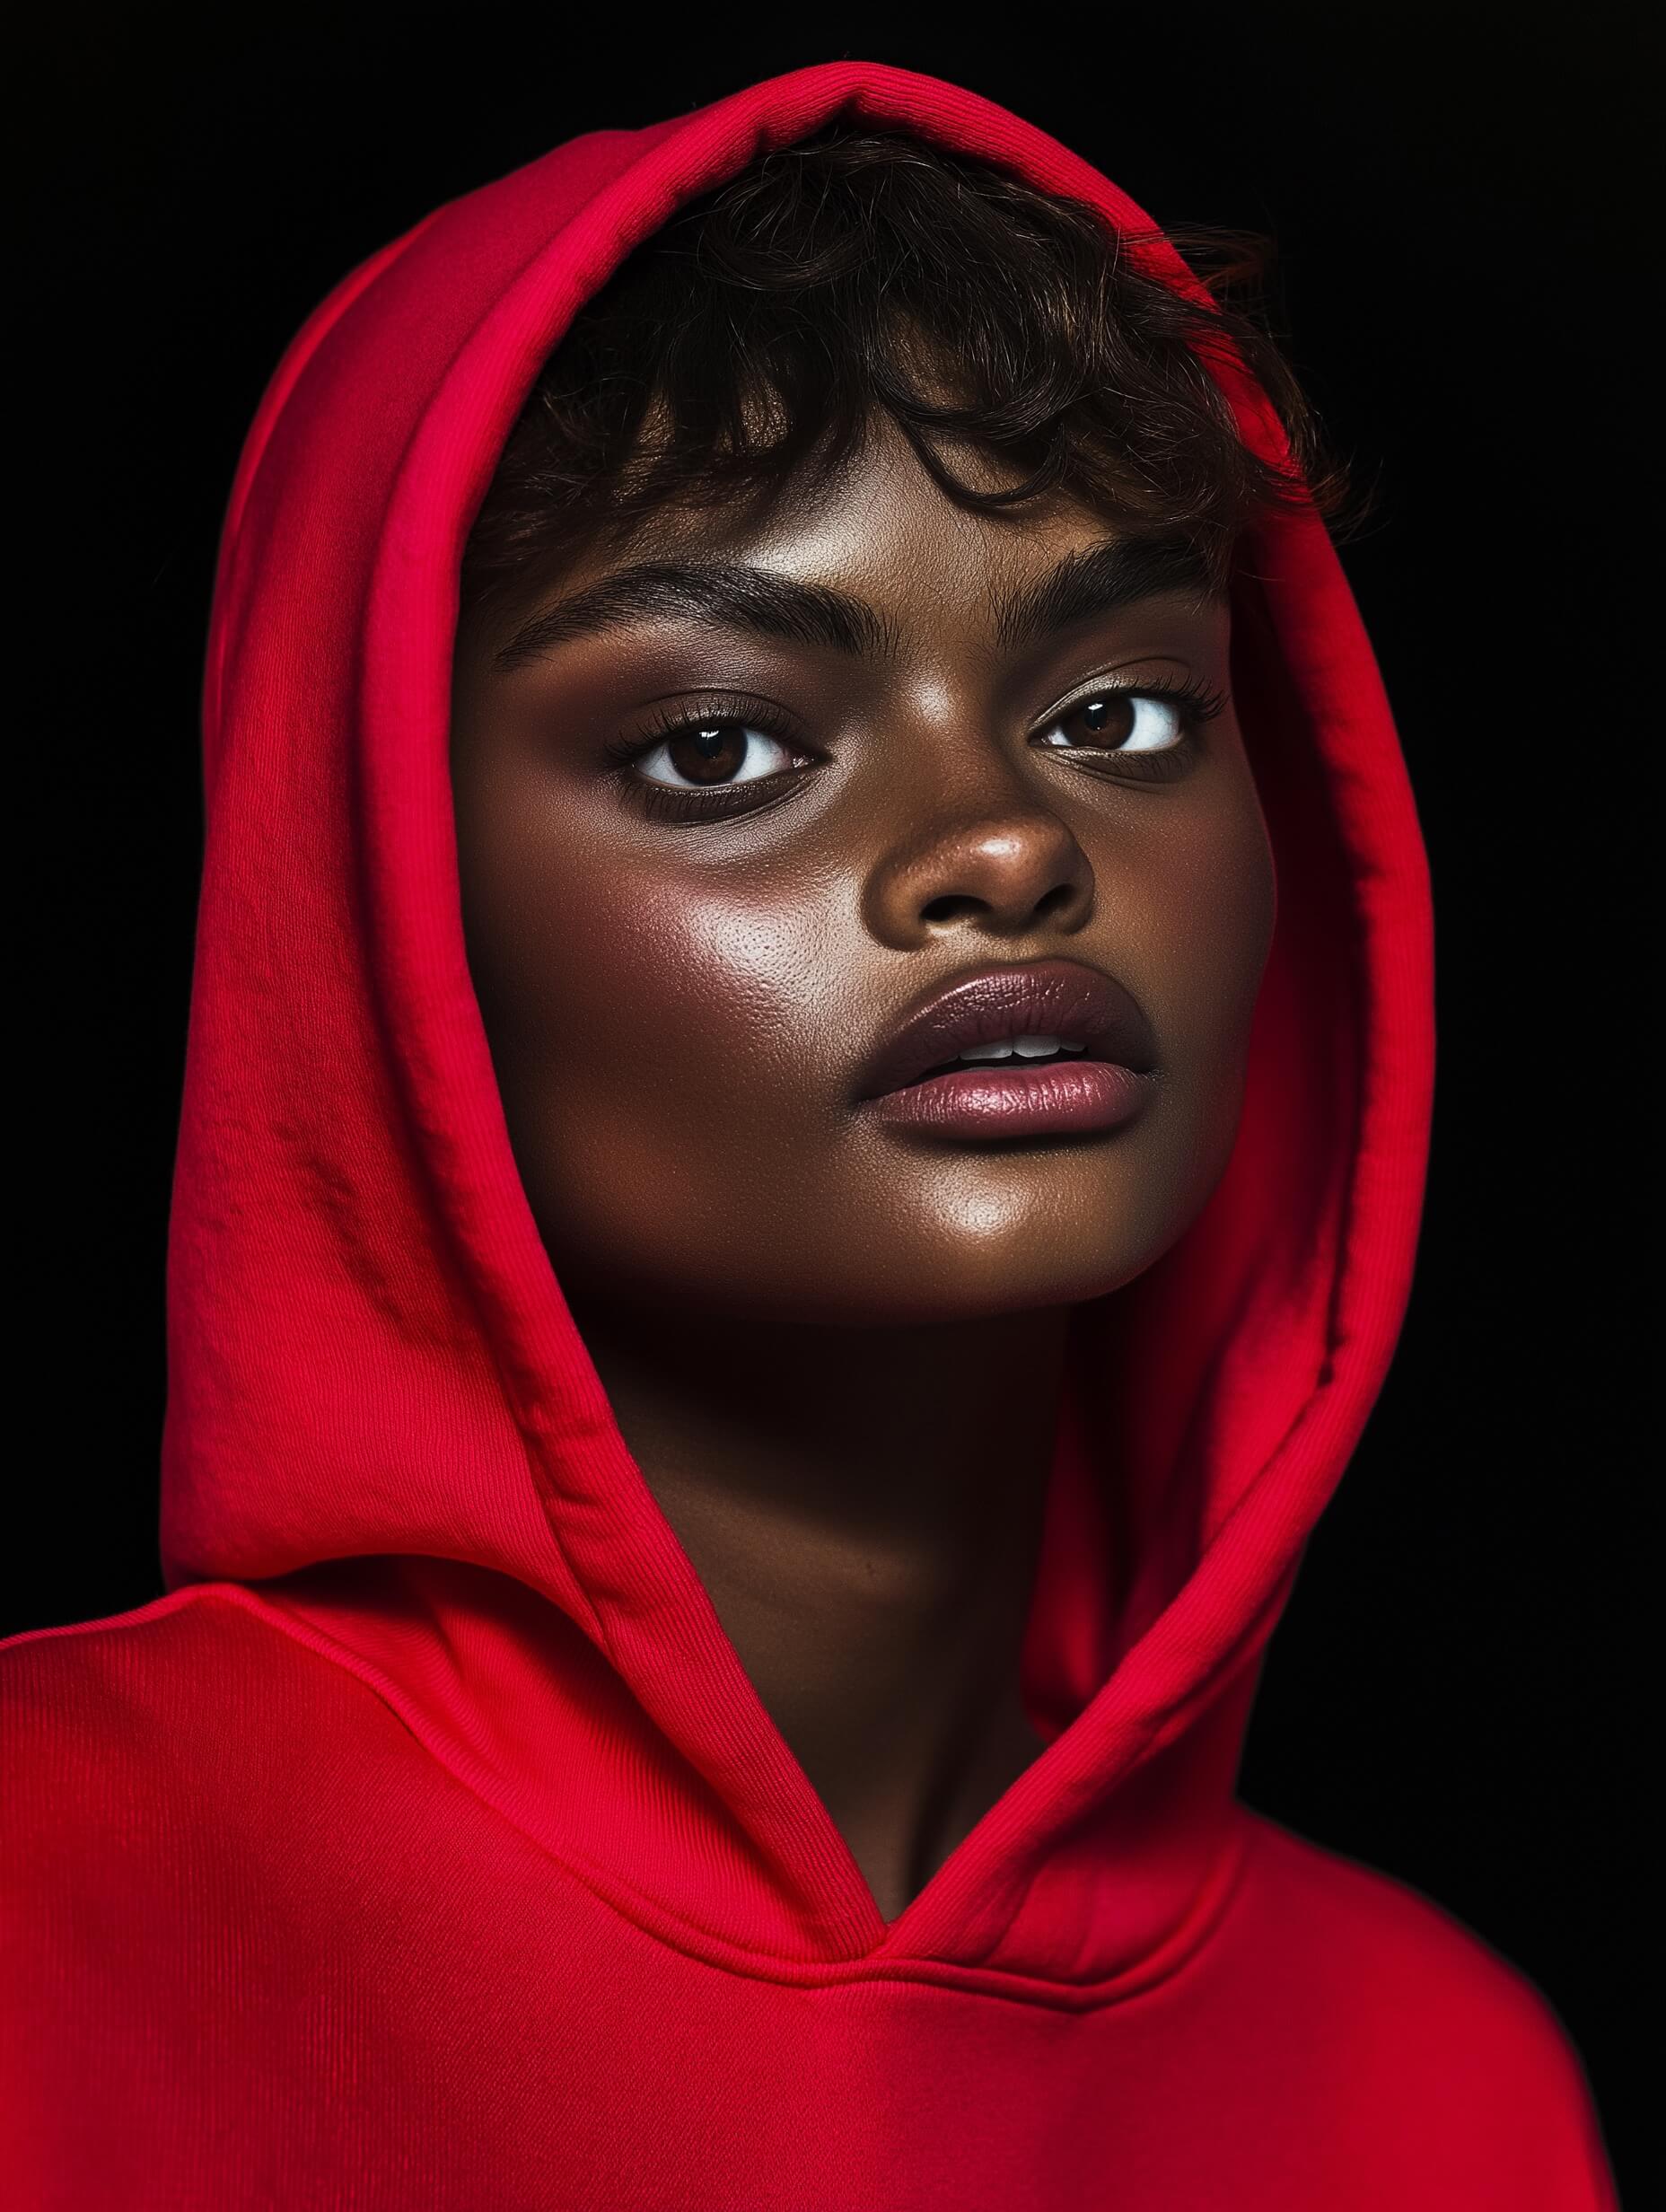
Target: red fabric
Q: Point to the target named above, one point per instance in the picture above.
(427, 1845)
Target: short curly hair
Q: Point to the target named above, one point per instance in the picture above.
(759, 331)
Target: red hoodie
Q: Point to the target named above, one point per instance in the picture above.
(427, 1844)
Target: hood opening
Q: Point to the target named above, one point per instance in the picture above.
(380, 1412)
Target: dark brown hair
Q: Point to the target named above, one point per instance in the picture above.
(757, 331)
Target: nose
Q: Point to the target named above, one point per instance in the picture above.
(1007, 871)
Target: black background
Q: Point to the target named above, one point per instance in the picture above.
(1455, 1691)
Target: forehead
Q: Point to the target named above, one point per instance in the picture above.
(902, 566)
(881, 527)
(885, 531)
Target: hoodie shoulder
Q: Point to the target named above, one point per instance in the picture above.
(1359, 1917)
(1371, 1966)
(115, 1726)
(200, 1643)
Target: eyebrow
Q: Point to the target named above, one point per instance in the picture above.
(734, 595)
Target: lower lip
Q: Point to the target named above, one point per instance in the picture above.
(1062, 1099)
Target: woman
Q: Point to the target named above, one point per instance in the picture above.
(807, 1104)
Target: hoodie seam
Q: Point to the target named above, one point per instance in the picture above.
(947, 1976)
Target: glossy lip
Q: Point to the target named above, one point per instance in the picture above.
(1076, 1097)
(1049, 997)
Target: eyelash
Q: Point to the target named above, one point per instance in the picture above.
(663, 800)
(1198, 703)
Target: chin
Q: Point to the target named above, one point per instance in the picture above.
(983, 1286)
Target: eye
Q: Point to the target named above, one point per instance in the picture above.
(710, 751)
(1121, 722)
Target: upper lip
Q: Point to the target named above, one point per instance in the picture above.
(1047, 997)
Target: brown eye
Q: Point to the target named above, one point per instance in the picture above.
(1119, 722)
(714, 752)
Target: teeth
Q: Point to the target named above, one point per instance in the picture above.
(1025, 1047)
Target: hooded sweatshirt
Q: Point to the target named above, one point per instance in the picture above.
(427, 1845)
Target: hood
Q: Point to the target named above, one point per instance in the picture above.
(382, 1419)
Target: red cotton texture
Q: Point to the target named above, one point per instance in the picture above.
(427, 1845)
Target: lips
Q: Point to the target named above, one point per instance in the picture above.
(1049, 999)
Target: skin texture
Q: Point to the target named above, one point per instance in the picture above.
(835, 1349)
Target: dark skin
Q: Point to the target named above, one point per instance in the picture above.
(834, 1350)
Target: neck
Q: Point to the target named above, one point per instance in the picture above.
(864, 1509)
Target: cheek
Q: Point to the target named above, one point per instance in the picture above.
(662, 1040)
(1198, 945)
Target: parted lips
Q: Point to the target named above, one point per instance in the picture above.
(1060, 999)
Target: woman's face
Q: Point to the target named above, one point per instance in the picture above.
(909, 758)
